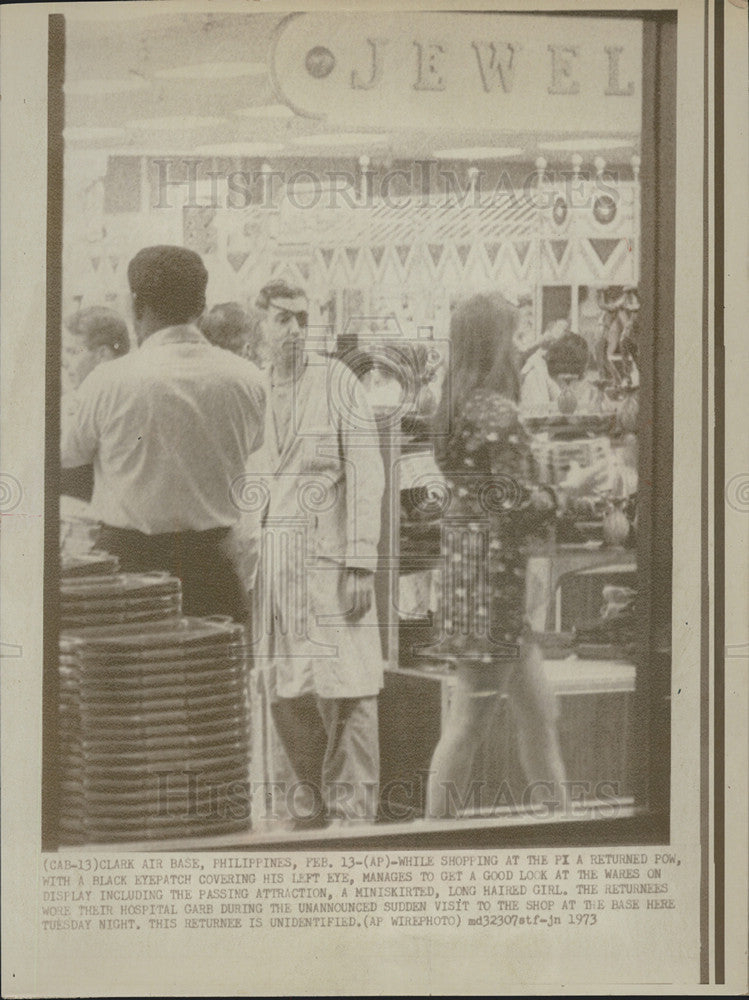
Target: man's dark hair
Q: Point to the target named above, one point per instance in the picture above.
(568, 356)
(100, 327)
(170, 280)
(278, 289)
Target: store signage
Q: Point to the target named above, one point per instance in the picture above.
(508, 72)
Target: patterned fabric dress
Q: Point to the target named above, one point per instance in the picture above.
(491, 513)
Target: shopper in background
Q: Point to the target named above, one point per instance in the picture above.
(491, 510)
(536, 386)
(90, 337)
(525, 337)
(235, 329)
(170, 429)
(559, 368)
(317, 636)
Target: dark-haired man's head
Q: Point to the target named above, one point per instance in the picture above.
(278, 289)
(92, 335)
(168, 285)
(568, 355)
(284, 309)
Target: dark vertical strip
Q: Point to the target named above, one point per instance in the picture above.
(705, 866)
(655, 433)
(55, 122)
(719, 501)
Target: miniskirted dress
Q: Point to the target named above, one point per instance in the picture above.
(492, 513)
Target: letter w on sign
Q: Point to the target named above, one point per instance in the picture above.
(497, 64)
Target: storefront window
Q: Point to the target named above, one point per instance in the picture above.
(488, 274)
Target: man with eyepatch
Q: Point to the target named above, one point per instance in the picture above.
(317, 631)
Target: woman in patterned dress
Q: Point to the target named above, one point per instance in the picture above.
(491, 512)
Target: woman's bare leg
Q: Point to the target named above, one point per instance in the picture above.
(534, 708)
(473, 704)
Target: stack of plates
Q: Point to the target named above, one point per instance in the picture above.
(94, 563)
(93, 601)
(155, 731)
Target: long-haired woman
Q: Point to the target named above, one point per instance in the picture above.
(491, 510)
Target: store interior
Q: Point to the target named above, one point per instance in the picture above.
(388, 228)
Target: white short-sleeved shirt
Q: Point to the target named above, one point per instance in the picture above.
(170, 429)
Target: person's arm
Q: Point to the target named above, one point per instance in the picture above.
(79, 430)
(581, 481)
(534, 383)
(525, 356)
(365, 484)
(242, 544)
(263, 405)
(261, 401)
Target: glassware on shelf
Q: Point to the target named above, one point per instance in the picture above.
(616, 526)
(629, 410)
(567, 400)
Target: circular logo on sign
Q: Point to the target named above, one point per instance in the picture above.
(319, 62)
(604, 209)
(559, 211)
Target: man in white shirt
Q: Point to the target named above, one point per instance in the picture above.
(169, 429)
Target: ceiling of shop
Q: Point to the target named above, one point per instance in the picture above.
(156, 83)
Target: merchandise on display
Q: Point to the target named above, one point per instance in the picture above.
(153, 711)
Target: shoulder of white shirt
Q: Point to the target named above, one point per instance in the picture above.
(112, 373)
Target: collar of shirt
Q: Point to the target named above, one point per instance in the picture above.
(184, 333)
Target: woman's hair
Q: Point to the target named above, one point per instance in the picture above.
(481, 357)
